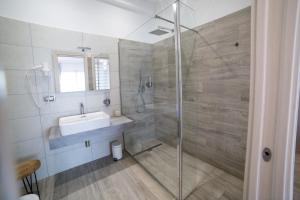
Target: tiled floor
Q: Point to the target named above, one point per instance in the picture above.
(200, 179)
(105, 179)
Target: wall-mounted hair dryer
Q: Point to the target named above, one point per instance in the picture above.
(33, 78)
(44, 67)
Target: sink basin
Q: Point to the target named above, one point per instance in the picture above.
(81, 123)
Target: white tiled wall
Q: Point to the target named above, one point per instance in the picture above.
(21, 106)
(26, 128)
(14, 32)
(13, 86)
(23, 45)
(52, 38)
(15, 57)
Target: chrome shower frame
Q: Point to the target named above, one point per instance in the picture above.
(179, 105)
(177, 36)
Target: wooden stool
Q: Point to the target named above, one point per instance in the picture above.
(24, 173)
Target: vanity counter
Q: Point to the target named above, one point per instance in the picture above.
(117, 125)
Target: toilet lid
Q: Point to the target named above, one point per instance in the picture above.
(29, 197)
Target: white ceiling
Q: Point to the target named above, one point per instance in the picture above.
(130, 19)
(146, 7)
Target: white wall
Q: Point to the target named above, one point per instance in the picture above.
(199, 12)
(23, 45)
(98, 17)
(90, 16)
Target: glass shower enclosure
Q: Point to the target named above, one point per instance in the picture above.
(186, 86)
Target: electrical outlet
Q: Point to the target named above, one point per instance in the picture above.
(49, 98)
(87, 143)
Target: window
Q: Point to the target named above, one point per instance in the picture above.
(101, 67)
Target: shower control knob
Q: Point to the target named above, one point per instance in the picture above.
(267, 154)
(106, 102)
(149, 82)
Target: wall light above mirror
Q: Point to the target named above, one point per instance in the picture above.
(75, 72)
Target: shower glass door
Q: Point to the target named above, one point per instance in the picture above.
(203, 52)
(148, 96)
(215, 80)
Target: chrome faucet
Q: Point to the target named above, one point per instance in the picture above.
(82, 109)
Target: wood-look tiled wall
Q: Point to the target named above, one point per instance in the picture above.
(216, 75)
(136, 58)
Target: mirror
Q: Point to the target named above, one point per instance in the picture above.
(72, 75)
(78, 72)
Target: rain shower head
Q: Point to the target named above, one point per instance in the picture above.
(166, 29)
(159, 32)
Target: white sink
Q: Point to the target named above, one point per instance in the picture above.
(81, 123)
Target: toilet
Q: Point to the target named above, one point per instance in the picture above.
(29, 197)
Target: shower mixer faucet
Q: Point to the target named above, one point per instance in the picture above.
(149, 82)
(82, 109)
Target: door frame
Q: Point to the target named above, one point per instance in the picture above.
(274, 96)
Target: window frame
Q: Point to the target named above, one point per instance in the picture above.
(93, 69)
